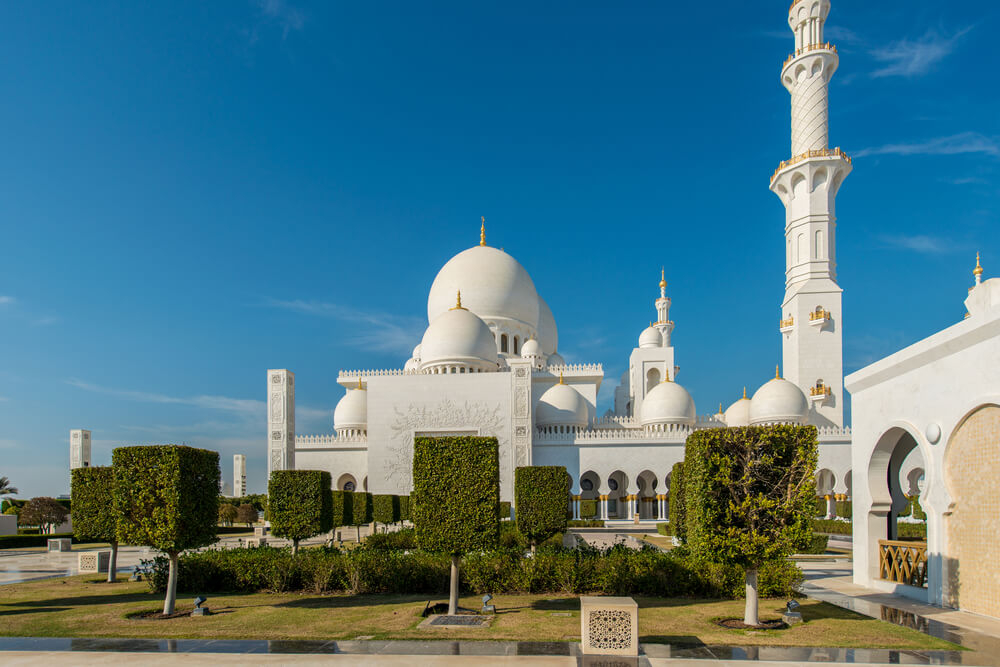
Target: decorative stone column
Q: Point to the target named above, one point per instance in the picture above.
(831, 506)
(603, 502)
(576, 508)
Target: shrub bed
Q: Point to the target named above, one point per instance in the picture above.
(398, 540)
(834, 527)
(616, 571)
(585, 523)
(664, 529)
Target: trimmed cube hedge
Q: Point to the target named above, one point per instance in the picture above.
(676, 502)
(541, 495)
(166, 497)
(588, 509)
(503, 510)
(385, 508)
(300, 503)
(456, 491)
(404, 508)
(362, 508)
(94, 518)
(343, 508)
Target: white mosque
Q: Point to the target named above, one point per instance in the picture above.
(489, 362)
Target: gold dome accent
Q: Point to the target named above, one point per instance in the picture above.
(359, 384)
(978, 271)
(744, 392)
(482, 232)
(458, 302)
(777, 371)
(663, 279)
(561, 378)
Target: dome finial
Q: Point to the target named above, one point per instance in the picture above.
(561, 378)
(663, 278)
(744, 391)
(458, 301)
(359, 384)
(777, 371)
(482, 232)
(978, 271)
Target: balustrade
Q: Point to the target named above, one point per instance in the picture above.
(903, 562)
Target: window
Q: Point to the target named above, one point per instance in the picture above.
(503, 343)
(349, 486)
(587, 485)
(515, 345)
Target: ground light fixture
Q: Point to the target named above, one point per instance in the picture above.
(198, 609)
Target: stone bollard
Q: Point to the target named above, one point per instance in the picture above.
(609, 626)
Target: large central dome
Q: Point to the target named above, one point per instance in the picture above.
(494, 286)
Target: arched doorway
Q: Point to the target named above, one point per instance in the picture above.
(346, 482)
(826, 481)
(900, 561)
(590, 488)
(652, 379)
(970, 569)
(617, 504)
(647, 484)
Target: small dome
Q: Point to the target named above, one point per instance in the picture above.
(561, 405)
(531, 348)
(667, 403)
(411, 365)
(778, 401)
(650, 337)
(738, 414)
(494, 286)
(416, 352)
(458, 337)
(352, 411)
(548, 334)
(555, 359)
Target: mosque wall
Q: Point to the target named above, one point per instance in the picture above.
(400, 408)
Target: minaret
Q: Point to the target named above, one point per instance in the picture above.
(807, 183)
(663, 323)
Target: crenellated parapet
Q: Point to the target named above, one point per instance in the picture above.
(330, 440)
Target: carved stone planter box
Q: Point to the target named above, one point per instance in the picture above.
(60, 544)
(257, 542)
(260, 531)
(93, 562)
(609, 626)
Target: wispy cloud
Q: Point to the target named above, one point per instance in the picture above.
(243, 406)
(6, 300)
(966, 180)
(910, 58)
(378, 331)
(281, 12)
(841, 35)
(956, 144)
(930, 245)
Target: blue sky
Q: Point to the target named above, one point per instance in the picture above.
(192, 193)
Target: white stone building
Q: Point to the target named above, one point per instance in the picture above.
(488, 362)
(937, 400)
(79, 448)
(239, 475)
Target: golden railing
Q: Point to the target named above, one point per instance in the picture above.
(903, 562)
(783, 324)
(805, 49)
(819, 314)
(819, 390)
(819, 152)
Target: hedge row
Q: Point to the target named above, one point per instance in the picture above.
(23, 541)
(834, 527)
(616, 571)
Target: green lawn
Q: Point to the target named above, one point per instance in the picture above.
(82, 607)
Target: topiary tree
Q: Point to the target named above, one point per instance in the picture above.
(166, 497)
(385, 508)
(676, 501)
(94, 518)
(43, 512)
(227, 514)
(749, 495)
(362, 508)
(300, 503)
(541, 494)
(404, 508)
(343, 508)
(456, 490)
(246, 513)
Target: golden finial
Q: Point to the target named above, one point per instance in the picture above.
(663, 278)
(359, 384)
(458, 301)
(777, 371)
(720, 408)
(561, 378)
(744, 392)
(978, 271)
(482, 232)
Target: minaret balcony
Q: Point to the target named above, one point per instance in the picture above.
(786, 326)
(819, 393)
(820, 152)
(819, 317)
(806, 49)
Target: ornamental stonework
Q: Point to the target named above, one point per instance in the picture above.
(610, 629)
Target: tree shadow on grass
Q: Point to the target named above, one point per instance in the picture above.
(346, 601)
(681, 641)
(15, 612)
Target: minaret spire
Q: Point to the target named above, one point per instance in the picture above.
(807, 184)
(978, 271)
(663, 322)
(482, 232)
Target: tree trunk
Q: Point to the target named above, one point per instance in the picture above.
(168, 603)
(295, 547)
(359, 533)
(453, 596)
(532, 548)
(750, 615)
(113, 564)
